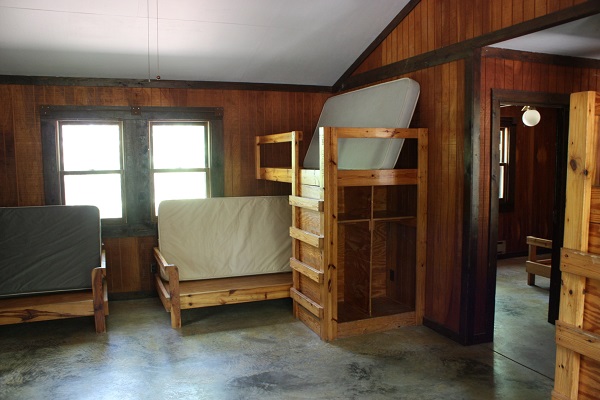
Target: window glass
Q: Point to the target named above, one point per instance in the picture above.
(179, 161)
(178, 146)
(91, 147)
(100, 190)
(91, 166)
(178, 185)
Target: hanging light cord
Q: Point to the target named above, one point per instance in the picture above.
(148, 34)
(157, 56)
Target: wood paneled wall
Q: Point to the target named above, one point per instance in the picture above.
(534, 164)
(246, 113)
(441, 109)
(434, 24)
(498, 73)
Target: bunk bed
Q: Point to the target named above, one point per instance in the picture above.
(358, 225)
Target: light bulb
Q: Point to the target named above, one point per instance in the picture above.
(531, 116)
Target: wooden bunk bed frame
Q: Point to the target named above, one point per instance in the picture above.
(61, 305)
(577, 374)
(535, 266)
(338, 217)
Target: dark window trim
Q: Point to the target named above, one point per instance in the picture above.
(138, 197)
(507, 204)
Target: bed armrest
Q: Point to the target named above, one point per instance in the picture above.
(172, 272)
(100, 294)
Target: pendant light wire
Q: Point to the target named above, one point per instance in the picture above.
(157, 55)
(148, 34)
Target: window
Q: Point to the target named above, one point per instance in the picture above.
(179, 161)
(127, 160)
(506, 172)
(91, 165)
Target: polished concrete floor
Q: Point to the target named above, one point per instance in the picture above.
(258, 351)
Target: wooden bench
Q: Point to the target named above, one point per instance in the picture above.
(535, 266)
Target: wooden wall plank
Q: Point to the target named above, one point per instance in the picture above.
(8, 164)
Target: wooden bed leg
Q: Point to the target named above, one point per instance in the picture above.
(98, 285)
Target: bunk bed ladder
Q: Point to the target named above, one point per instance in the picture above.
(306, 231)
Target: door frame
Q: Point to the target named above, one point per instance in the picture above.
(540, 99)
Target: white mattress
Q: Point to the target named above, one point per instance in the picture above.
(387, 105)
(225, 237)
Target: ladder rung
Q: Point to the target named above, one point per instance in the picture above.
(305, 202)
(307, 303)
(307, 237)
(306, 270)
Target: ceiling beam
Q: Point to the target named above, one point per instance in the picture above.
(161, 84)
(463, 49)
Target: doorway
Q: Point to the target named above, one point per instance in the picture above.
(526, 180)
(558, 103)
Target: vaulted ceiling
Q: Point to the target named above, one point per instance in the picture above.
(265, 41)
(310, 42)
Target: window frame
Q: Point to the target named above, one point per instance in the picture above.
(138, 218)
(507, 203)
(121, 171)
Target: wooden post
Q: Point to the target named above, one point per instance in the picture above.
(581, 168)
(174, 294)
(329, 163)
(98, 288)
(421, 226)
(296, 138)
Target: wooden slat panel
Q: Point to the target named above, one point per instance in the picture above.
(309, 221)
(580, 263)
(539, 242)
(277, 138)
(595, 205)
(578, 340)
(310, 255)
(380, 133)
(377, 324)
(377, 177)
(276, 174)
(8, 164)
(591, 312)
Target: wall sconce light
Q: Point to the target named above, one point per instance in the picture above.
(531, 116)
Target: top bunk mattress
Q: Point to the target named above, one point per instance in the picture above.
(48, 249)
(225, 236)
(387, 105)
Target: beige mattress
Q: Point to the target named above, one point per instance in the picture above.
(225, 237)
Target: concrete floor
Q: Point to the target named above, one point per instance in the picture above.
(258, 351)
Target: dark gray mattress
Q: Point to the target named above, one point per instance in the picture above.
(48, 249)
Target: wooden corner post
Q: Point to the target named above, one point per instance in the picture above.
(581, 169)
